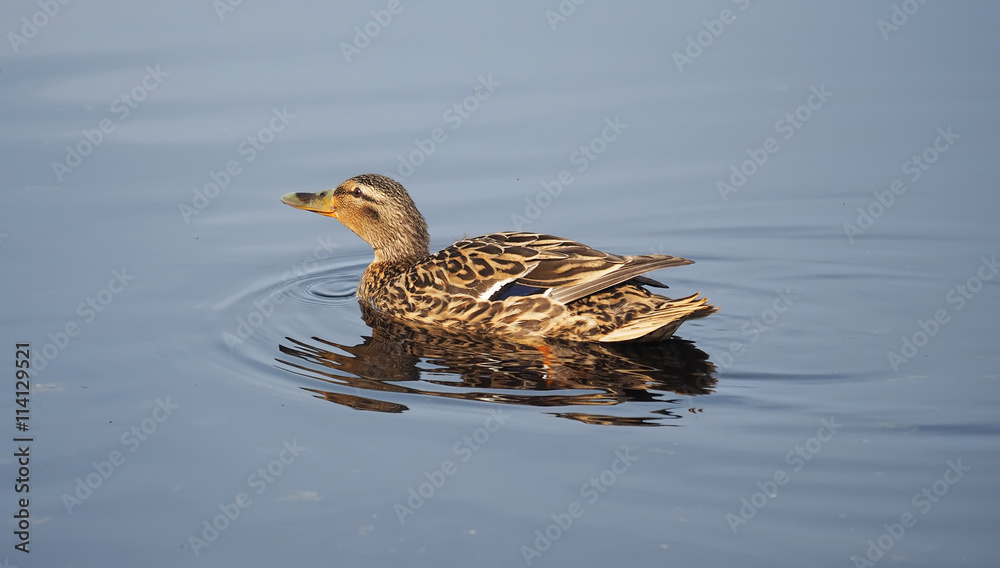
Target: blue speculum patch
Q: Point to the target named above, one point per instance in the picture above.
(515, 289)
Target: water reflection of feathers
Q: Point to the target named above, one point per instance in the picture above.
(403, 360)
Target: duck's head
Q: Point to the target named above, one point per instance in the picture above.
(378, 210)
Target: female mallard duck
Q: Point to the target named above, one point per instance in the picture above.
(520, 285)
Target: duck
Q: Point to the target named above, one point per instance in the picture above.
(527, 287)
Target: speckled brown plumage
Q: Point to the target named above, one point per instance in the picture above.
(522, 285)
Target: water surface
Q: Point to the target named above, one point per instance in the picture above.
(847, 386)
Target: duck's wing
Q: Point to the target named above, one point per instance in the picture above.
(516, 263)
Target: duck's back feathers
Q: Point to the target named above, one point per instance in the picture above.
(558, 268)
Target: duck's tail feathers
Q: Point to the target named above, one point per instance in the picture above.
(662, 322)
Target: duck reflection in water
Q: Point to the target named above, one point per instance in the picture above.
(399, 361)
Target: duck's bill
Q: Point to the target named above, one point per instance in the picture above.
(317, 202)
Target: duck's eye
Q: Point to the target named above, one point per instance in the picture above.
(356, 192)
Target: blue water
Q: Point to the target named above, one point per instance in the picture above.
(205, 390)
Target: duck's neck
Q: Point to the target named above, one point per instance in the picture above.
(401, 243)
(395, 254)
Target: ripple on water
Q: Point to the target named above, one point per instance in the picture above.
(329, 285)
(258, 317)
(326, 287)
